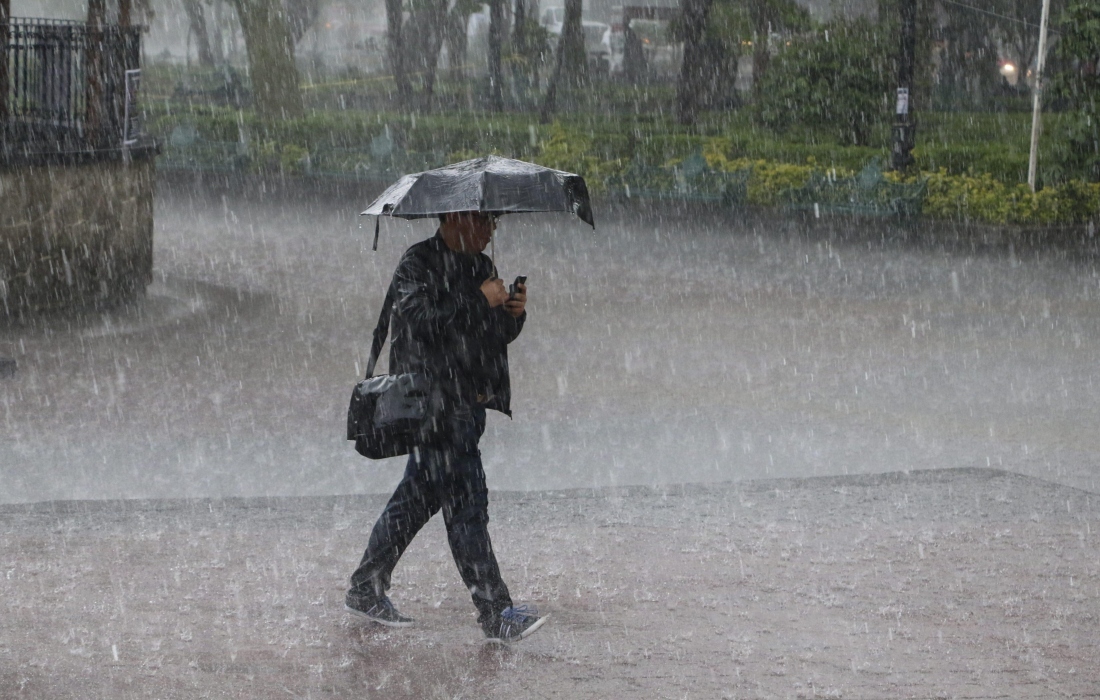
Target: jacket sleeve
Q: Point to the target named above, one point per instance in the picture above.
(505, 327)
(430, 309)
(508, 327)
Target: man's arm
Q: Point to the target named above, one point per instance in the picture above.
(429, 308)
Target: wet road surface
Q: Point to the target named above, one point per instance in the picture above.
(658, 350)
(971, 583)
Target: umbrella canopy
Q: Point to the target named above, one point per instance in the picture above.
(491, 184)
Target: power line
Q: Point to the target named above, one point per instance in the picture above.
(996, 14)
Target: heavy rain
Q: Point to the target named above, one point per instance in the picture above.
(810, 411)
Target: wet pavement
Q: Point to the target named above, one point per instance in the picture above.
(685, 347)
(888, 441)
(948, 583)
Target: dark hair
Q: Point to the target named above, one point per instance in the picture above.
(494, 214)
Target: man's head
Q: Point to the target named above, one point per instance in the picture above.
(467, 231)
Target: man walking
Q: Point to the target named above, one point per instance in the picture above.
(452, 322)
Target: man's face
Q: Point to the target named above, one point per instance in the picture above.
(472, 229)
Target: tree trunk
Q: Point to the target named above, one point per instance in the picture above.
(430, 74)
(217, 34)
(437, 27)
(395, 50)
(519, 45)
(270, 48)
(456, 43)
(694, 15)
(301, 14)
(570, 60)
(422, 47)
(197, 18)
(550, 99)
(519, 32)
(634, 63)
(95, 116)
(97, 13)
(760, 58)
(761, 27)
(496, 78)
(575, 66)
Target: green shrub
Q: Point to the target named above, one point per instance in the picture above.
(573, 152)
(983, 198)
(969, 197)
(770, 183)
(837, 77)
(973, 162)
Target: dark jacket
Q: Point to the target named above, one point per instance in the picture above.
(443, 326)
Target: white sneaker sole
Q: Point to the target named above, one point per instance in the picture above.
(387, 623)
(526, 633)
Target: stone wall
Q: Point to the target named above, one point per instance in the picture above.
(75, 235)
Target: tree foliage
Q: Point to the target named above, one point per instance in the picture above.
(1079, 84)
(836, 78)
(270, 46)
(196, 17)
(529, 51)
(714, 32)
(976, 36)
(696, 70)
(423, 36)
(765, 17)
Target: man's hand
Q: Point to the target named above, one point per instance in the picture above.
(518, 302)
(494, 291)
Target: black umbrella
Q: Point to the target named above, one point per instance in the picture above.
(492, 185)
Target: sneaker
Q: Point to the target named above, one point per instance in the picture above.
(376, 609)
(513, 624)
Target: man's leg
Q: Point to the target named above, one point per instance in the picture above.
(460, 479)
(411, 506)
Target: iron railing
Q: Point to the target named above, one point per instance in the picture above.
(66, 86)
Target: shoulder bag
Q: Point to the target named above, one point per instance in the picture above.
(386, 412)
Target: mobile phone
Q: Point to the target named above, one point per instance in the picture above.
(514, 287)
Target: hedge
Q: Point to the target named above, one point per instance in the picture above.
(601, 150)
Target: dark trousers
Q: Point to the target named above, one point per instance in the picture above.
(447, 476)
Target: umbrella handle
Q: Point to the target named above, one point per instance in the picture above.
(376, 220)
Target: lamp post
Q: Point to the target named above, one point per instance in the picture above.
(904, 130)
(1037, 99)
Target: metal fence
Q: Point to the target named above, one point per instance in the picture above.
(66, 86)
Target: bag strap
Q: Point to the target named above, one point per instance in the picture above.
(380, 331)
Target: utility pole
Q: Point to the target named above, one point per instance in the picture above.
(904, 131)
(1037, 98)
(496, 75)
